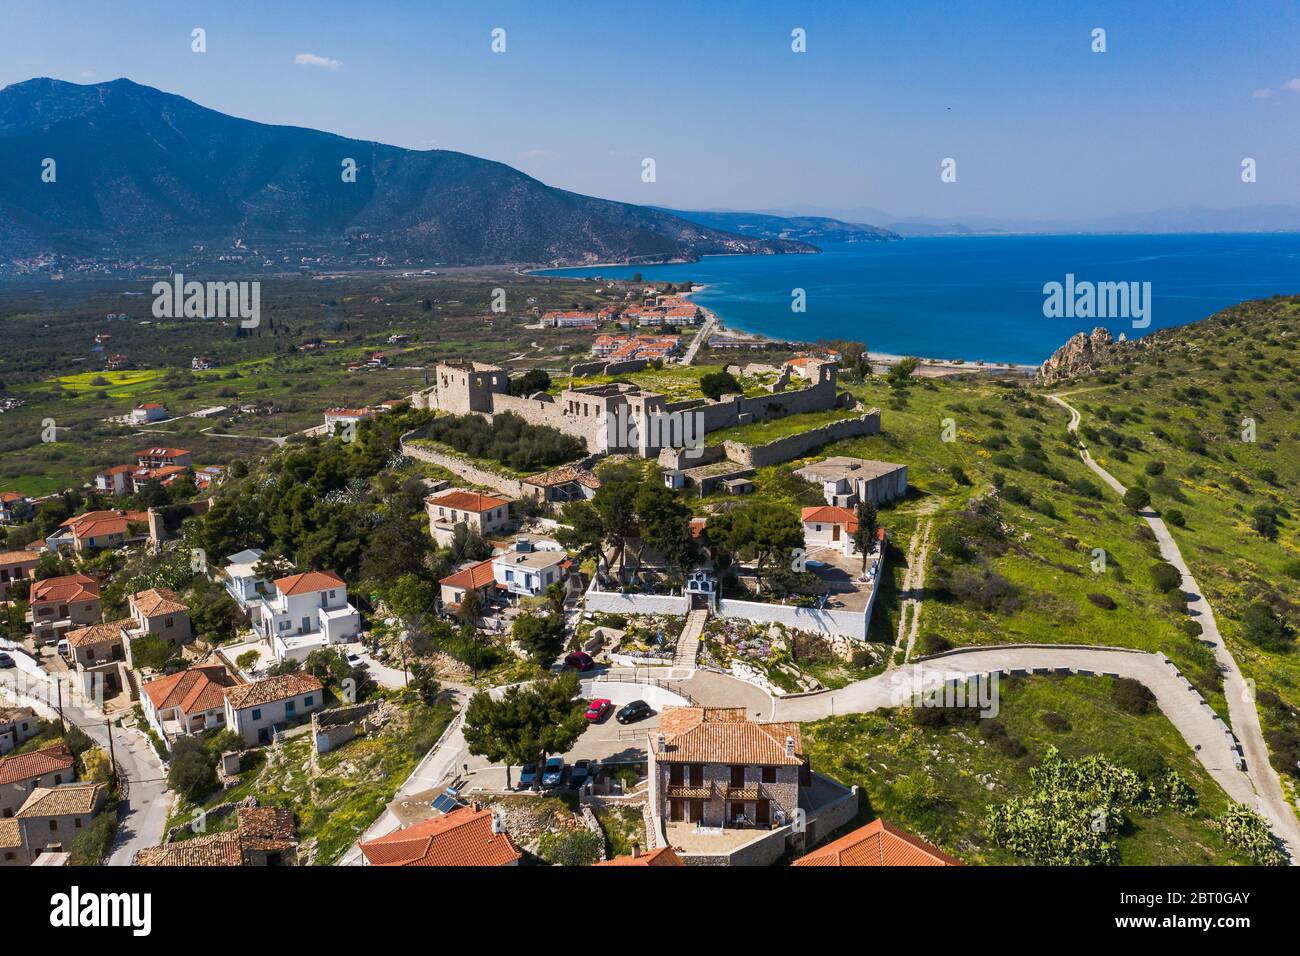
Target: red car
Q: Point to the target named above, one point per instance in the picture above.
(598, 708)
(579, 660)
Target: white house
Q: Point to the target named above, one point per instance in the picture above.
(148, 412)
(305, 612)
(527, 572)
(242, 581)
(344, 418)
(829, 527)
(256, 710)
(482, 513)
(187, 702)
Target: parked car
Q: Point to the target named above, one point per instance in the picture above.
(579, 773)
(354, 660)
(62, 647)
(631, 713)
(579, 660)
(7, 661)
(527, 775)
(553, 772)
(598, 708)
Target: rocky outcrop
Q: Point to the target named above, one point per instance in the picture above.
(1081, 355)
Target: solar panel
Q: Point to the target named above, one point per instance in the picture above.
(445, 802)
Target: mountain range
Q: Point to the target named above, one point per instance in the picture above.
(138, 170)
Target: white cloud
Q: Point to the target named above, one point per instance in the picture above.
(87, 74)
(1262, 94)
(1292, 85)
(311, 59)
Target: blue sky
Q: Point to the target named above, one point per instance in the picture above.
(1039, 125)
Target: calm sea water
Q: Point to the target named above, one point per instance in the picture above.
(979, 297)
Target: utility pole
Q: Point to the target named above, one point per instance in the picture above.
(59, 684)
(112, 755)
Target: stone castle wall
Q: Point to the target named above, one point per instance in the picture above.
(795, 446)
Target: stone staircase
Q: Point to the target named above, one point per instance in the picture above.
(688, 642)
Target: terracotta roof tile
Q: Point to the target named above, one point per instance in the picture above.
(664, 856)
(474, 577)
(158, 601)
(467, 501)
(281, 687)
(463, 837)
(63, 800)
(37, 763)
(878, 844)
(69, 588)
(11, 834)
(104, 633)
(308, 582)
(194, 690)
(830, 514)
(723, 735)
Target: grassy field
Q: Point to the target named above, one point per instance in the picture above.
(760, 433)
(938, 783)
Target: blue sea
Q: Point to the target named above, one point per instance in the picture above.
(977, 297)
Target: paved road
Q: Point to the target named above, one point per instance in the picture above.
(705, 331)
(148, 799)
(1270, 799)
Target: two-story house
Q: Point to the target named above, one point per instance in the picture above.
(15, 566)
(20, 774)
(306, 611)
(187, 702)
(98, 656)
(96, 530)
(164, 457)
(713, 767)
(263, 836)
(240, 578)
(526, 572)
(256, 710)
(157, 613)
(60, 604)
(482, 513)
(52, 817)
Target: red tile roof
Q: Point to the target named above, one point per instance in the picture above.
(463, 837)
(194, 690)
(467, 501)
(27, 766)
(878, 844)
(11, 558)
(280, 687)
(830, 514)
(308, 582)
(664, 856)
(724, 735)
(157, 601)
(472, 578)
(69, 588)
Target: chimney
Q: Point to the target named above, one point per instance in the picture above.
(636, 850)
(498, 825)
(789, 746)
(477, 805)
(662, 741)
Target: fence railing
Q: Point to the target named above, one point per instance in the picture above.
(668, 685)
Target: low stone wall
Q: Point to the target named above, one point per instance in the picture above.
(463, 468)
(796, 446)
(620, 368)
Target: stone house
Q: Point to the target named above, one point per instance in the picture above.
(157, 612)
(713, 767)
(255, 711)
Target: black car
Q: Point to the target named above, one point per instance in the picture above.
(6, 660)
(631, 713)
